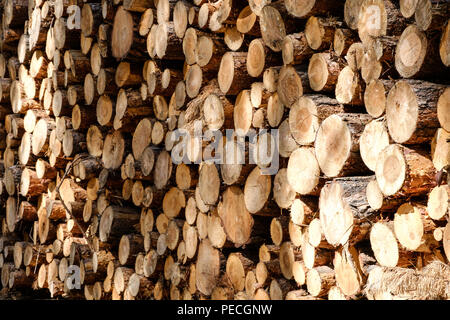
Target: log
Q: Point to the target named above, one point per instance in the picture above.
(343, 156)
(397, 174)
(323, 71)
(421, 62)
(407, 99)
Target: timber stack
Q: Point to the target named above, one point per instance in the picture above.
(354, 94)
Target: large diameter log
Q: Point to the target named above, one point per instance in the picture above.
(256, 191)
(319, 32)
(406, 283)
(438, 201)
(411, 111)
(130, 245)
(259, 57)
(384, 244)
(243, 113)
(209, 183)
(303, 171)
(207, 267)
(273, 30)
(232, 76)
(323, 71)
(289, 86)
(348, 87)
(347, 270)
(373, 140)
(295, 49)
(440, 149)
(416, 56)
(236, 267)
(319, 280)
(122, 34)
(116, 221)
(404, 172)
(443, 109)
(377, 18)
(412, 226)
(337, 146)
(444, 45)
(237, 221)
(431, 15)
(304, 9)
(31, 185)
(306, 114)
(336, 216)
(15, 12)
(113, 150)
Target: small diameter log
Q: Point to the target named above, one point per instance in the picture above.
(12, 177)
(22, 101)
(437, 205)
(162, 42)
(128, 75)
(186, 176)
(378, 201)
(162, 170)
(397, 172)
(375, 96)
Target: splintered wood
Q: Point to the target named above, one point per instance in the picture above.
(124, 173)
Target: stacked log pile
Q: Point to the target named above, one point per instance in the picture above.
(95, 206)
